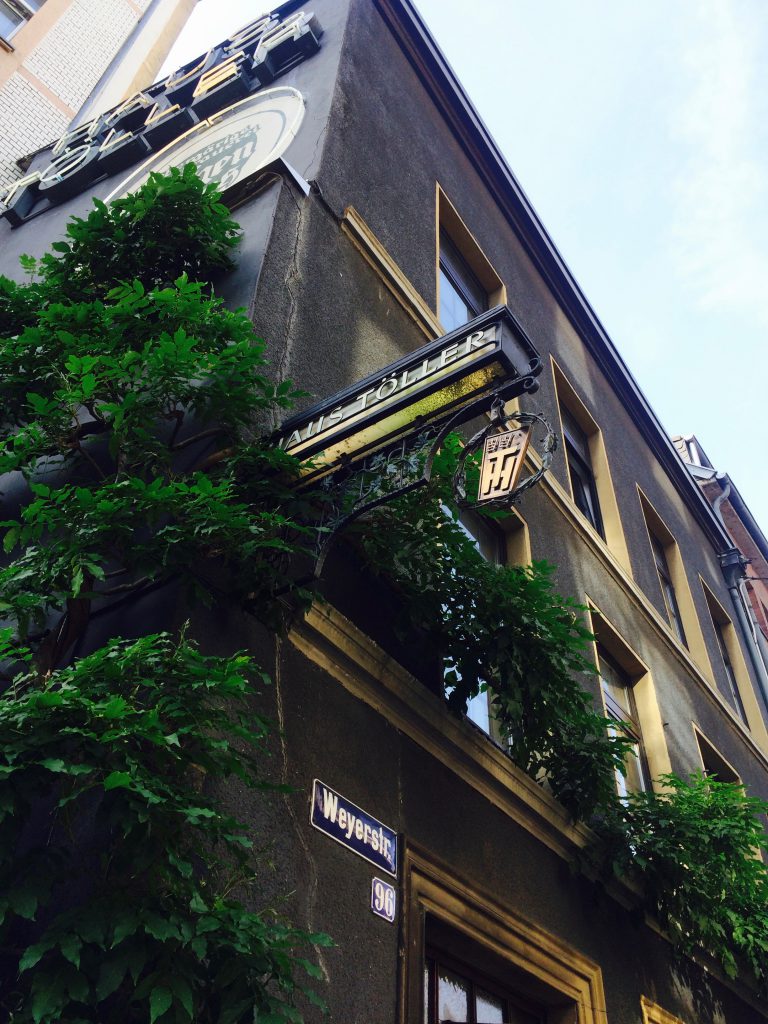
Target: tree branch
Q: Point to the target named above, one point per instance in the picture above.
(202, 436)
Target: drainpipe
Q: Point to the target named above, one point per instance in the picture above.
(733, 563)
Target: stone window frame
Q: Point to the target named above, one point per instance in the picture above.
(655, 1014)
(649, 718)
(558, 976)
(657, 529)
(612, 534)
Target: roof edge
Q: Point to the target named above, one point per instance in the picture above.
(443, 85)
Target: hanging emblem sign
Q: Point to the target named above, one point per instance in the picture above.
(490, 354)
(503, 458)
(353, 827)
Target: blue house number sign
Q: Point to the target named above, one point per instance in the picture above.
(383, 899)
(351, 826)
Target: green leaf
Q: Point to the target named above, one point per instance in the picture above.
(111, 975)
(70, 946)
(24, 901)
(117, 780)
(183, 993)
(159, 1002)
(32, 956)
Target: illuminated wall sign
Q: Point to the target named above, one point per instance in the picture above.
(195, 96)
(232, 144)
(345, 822)
(441, 377)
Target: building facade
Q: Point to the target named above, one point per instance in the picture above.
(378, 217)
(750, 575)
(53, 54)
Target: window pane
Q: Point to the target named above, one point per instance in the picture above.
(487, 539)
(454, 311)
(633, 779)
(428, 968)
(462, 297)
(452, 997)
(633, 765)
(490, 1010)
(615, 683)
(583, 487)
(478, 711)
(731, 675)
(484, 534)
(10, 20)
(574, 435)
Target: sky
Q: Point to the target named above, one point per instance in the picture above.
(639, 131)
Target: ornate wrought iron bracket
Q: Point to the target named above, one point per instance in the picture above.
(499, 419)
(356, 488)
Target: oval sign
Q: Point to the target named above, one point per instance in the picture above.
(231, 144)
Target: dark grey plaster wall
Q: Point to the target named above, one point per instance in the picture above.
(327, 733)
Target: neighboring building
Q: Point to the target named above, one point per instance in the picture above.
(53, 54)
(378, 215)
(749, 585)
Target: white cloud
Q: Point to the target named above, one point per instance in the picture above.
(721, 213)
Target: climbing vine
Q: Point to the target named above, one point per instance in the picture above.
(696, 847)
(134, 408)
(502, 630)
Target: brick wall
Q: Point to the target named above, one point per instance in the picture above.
(29, 120)
(73, 56)
(68, 61)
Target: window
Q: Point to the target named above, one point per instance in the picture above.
(489, 541)
(467, 284)
(668, 589)
(580, 473)
(14, 13)
(712, 761)
(453, 992)
(587, 469)
(730, 671)
(462, 297)
(668, 580)
(620, 706)
(629, 701)
(501, 962)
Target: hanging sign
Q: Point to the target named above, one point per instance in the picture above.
(353, 827)
(503, 457)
